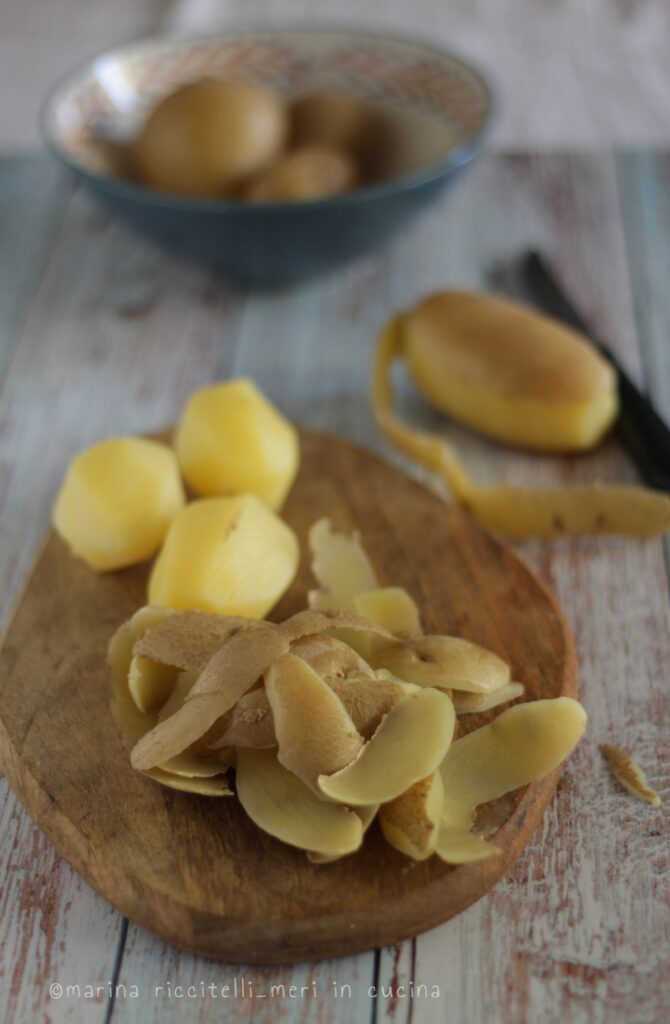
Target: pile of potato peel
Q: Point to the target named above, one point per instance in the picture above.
(333, 718)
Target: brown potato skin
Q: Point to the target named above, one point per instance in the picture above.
(330, 119)
(305, 174)
(209, 135)
(495, 343)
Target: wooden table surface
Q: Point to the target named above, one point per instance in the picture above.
(100, 334)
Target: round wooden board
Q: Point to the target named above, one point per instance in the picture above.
(195, 870)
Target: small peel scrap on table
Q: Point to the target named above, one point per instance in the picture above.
(513, 511)
(628, 773)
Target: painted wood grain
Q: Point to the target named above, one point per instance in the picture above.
(578, 930)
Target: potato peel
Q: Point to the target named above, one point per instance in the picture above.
(216, 786)
(629, 774)
(369, 698)
(411, 822)
(458, 846)
(281, 804)
(251, 723)
(339, 562)
(227, 676)
(445, 662)
(408, 745)
(150, 683)
(189, 639)
(315, 735)
(513, 511)
(474, 703)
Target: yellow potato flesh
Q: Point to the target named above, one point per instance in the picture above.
(314, 733)
(411, 822)
(231, 440)
(408, 745)
(280, 804)
(117, 501)
(508, 372)
(229, 556)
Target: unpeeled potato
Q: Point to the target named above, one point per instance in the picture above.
(313, 172)
(207, 136)
(332, 119)
(231, 440)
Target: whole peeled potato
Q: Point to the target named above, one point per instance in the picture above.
(309, 173)
(331, 119)
(205, 137)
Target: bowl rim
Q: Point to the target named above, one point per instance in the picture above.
(432, 172)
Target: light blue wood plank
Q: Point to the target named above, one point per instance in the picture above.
(34, 198)
(644, 181)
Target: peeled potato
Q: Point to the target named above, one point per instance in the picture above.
(117, 501)
(208, 135)
(230, 556)
(332, 119)
(313, 172)
(231, 440)
(510, 373)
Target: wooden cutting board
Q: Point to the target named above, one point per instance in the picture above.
(195, 870)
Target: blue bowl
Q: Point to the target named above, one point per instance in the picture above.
(437, 108)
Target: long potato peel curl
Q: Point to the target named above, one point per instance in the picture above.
(514, 511)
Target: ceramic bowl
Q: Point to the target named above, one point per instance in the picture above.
(438, 109)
